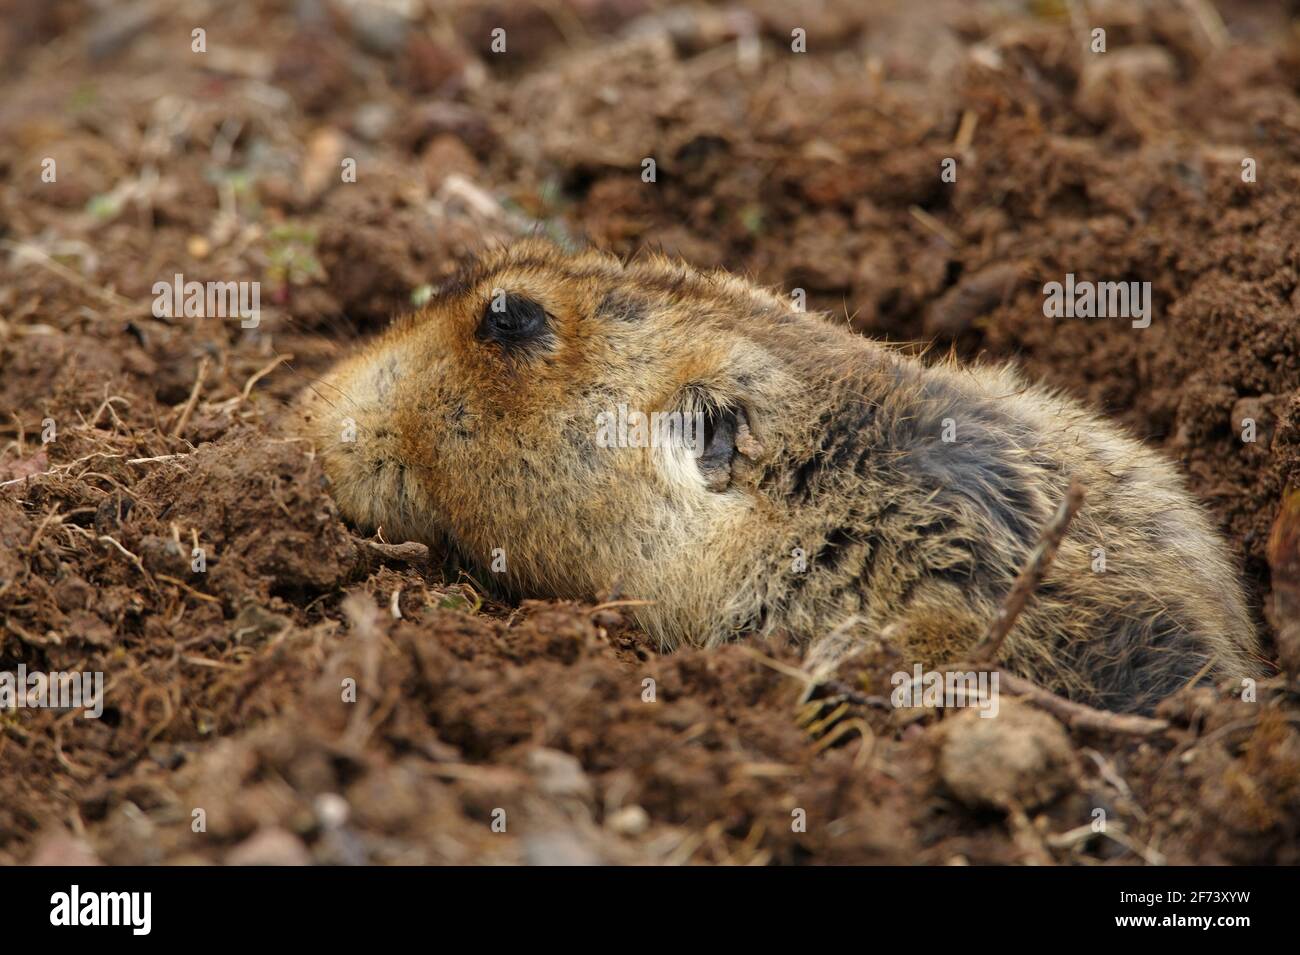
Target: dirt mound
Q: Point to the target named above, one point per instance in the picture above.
(277, 689)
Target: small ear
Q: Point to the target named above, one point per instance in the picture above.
(726, 435)
(746, 443)
(719, 447)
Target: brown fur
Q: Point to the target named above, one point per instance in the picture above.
(908, 538)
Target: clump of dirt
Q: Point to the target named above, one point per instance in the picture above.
(279, 690)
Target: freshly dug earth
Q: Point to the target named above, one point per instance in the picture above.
(312, 696)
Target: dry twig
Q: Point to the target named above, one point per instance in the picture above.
(1032, 575)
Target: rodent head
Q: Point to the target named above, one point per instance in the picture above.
(503, 416)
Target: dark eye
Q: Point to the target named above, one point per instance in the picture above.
(511, 320)
(719, 439)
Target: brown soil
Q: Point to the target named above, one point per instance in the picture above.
(815, 170)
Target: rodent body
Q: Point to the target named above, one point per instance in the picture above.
(913, 492)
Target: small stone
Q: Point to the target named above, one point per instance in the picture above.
(558, 848)
(269, 847)
(372, 121)
(332, 810)
(62, 848)
(559, 774)
(378, 29)
(1021, 757)
(629, 821)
